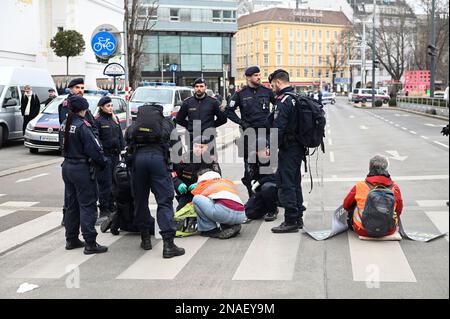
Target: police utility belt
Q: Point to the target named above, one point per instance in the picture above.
(77, 160)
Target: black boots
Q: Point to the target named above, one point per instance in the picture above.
(286, 228)
(170, 249)
(112, 222)
(74, 244)
(270, 217)
(146, 242)
(94, 248)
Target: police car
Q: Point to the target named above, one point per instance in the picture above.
(43, 131)
(170, 97)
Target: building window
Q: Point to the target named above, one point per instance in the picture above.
(298, 73)
(320, 60)
(298, 35)
(320, 47)
(291, 60)
(306, 35)
(229, 16)
(299, 47)
(174, 15)
(306, 72)
(212, 63)
(191, 62)
(266, 73)
(279, 60)
(217, 16)
(191, 45)
(335, 35)
(266, 59)
(279, 47)
(278, 33)
(313, 48)
(266, 33)
(320, 36)
(266, 46)
(306, 48)
(298, 60)
(60, 29)
(169, 44)
(291, 47)
(291, 35)
(313, 61)
(327, 75)
(328, 48)
(312, 73)
(211, 45)
(313, 35)
(291, 72)
(328, 35)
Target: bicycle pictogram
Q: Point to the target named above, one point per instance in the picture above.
(104, 43)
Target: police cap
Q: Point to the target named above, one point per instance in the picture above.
(76, 81)
(51, 90)
(199, 81)
(104, 100)
(77, 103)
(252, 70)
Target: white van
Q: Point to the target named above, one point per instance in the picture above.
(12, 82)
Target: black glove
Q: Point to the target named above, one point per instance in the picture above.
(445, 131)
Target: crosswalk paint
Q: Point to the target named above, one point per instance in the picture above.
(55, 264)
(440, 220)
(4, 212)
(380, 261)
(431, 203)
(270, 256)
(24, 232)
(18, 204)
(152, 266)
(1, 195)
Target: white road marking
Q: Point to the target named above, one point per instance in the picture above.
(29, 230)
(152, 266)
(1, 195)
(404, 128)
(54, 265)
(332, 157)
(4, 212)
(31, 178)
(270, 256)
(440, 220)
(330, 142)
(19, 204)
(390, 122)
(439, 143)
(412, 132)
(397, 125)
(378, 261)
(432, 125)
(352, 116)
(424, 137)
(397, 178)
(431, 203)
(363, 127)
(396, 156)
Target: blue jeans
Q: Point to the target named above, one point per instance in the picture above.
(209, 213)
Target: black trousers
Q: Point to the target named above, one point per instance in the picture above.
(262, 202)
(289, 182)
(26, 120)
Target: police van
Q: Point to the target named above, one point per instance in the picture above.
(170, 97)
(12, 83)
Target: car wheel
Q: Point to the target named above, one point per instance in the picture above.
(34, 150)
(385, 101)
(1, 136)
(333, 101)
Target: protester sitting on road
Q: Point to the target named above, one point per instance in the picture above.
(185, 173)
(263, 202)
(378, 187)
(216, 200)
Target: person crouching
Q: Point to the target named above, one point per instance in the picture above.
(216, 200)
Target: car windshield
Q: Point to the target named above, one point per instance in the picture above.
(52, 108)
(153, 95)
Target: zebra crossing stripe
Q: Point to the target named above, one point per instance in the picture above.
(270, 256)
(18, 204)
(431, 203)
(29, 230)
(4, 212)
(440, 220)
(378, 261)
(56, 264)
(152, 266)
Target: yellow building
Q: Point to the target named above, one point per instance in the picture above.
(310, 44)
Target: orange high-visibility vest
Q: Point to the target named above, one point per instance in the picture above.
(213, 186)
(362, 191)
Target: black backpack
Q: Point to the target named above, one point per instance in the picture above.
(311, 121)
(378, 217)
(149, 127)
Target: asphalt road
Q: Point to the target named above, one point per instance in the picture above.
(257, 263)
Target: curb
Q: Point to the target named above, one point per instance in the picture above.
(21, 169)
(396, 108)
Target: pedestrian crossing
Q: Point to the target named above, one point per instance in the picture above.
(265, 256)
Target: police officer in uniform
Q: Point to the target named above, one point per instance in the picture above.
(80, 149)
(203, 108)
(185, 173)
(290, 155)
(149, 138)
(111, 138)
(254, 103)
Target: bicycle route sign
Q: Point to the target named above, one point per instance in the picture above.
(104, 44)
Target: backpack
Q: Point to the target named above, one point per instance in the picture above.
(186, 221)
(149, 127)
(311, 121)
(378, 217)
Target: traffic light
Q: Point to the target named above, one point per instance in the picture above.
(376, 64)
(432, 50)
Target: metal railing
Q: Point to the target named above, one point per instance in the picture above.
(435, 102)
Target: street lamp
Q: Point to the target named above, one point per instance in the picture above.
(432, 48)
(162, 70)
(373, 54)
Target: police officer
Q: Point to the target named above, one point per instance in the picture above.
(254, 103)
(149, 137)
(290, 155)
(111, 138)
(80, 149)
(204, 109)
(76, 87)
(51, 96)
(185, 173)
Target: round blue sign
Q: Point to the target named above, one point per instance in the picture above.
(104, 44)
(174, 67)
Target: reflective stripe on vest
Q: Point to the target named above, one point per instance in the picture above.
(209, 187)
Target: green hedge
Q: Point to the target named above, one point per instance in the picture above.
(392, 102)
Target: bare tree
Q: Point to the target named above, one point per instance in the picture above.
(341, 50)
(139, 19)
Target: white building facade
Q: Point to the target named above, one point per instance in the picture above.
(27, 26)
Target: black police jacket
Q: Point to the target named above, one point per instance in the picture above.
(284, 118)
(206, 110)
(254, 104)
(82, 143)
(63, 111)
(256, 173)
(109, 134)
(187, 170)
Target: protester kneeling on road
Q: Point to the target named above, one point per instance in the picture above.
(216, 200)
(375, 205)
(263, 202)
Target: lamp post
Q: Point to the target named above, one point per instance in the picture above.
(433, 46)
(373, 53)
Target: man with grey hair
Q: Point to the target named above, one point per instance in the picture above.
(355, 201)
(29, 106)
